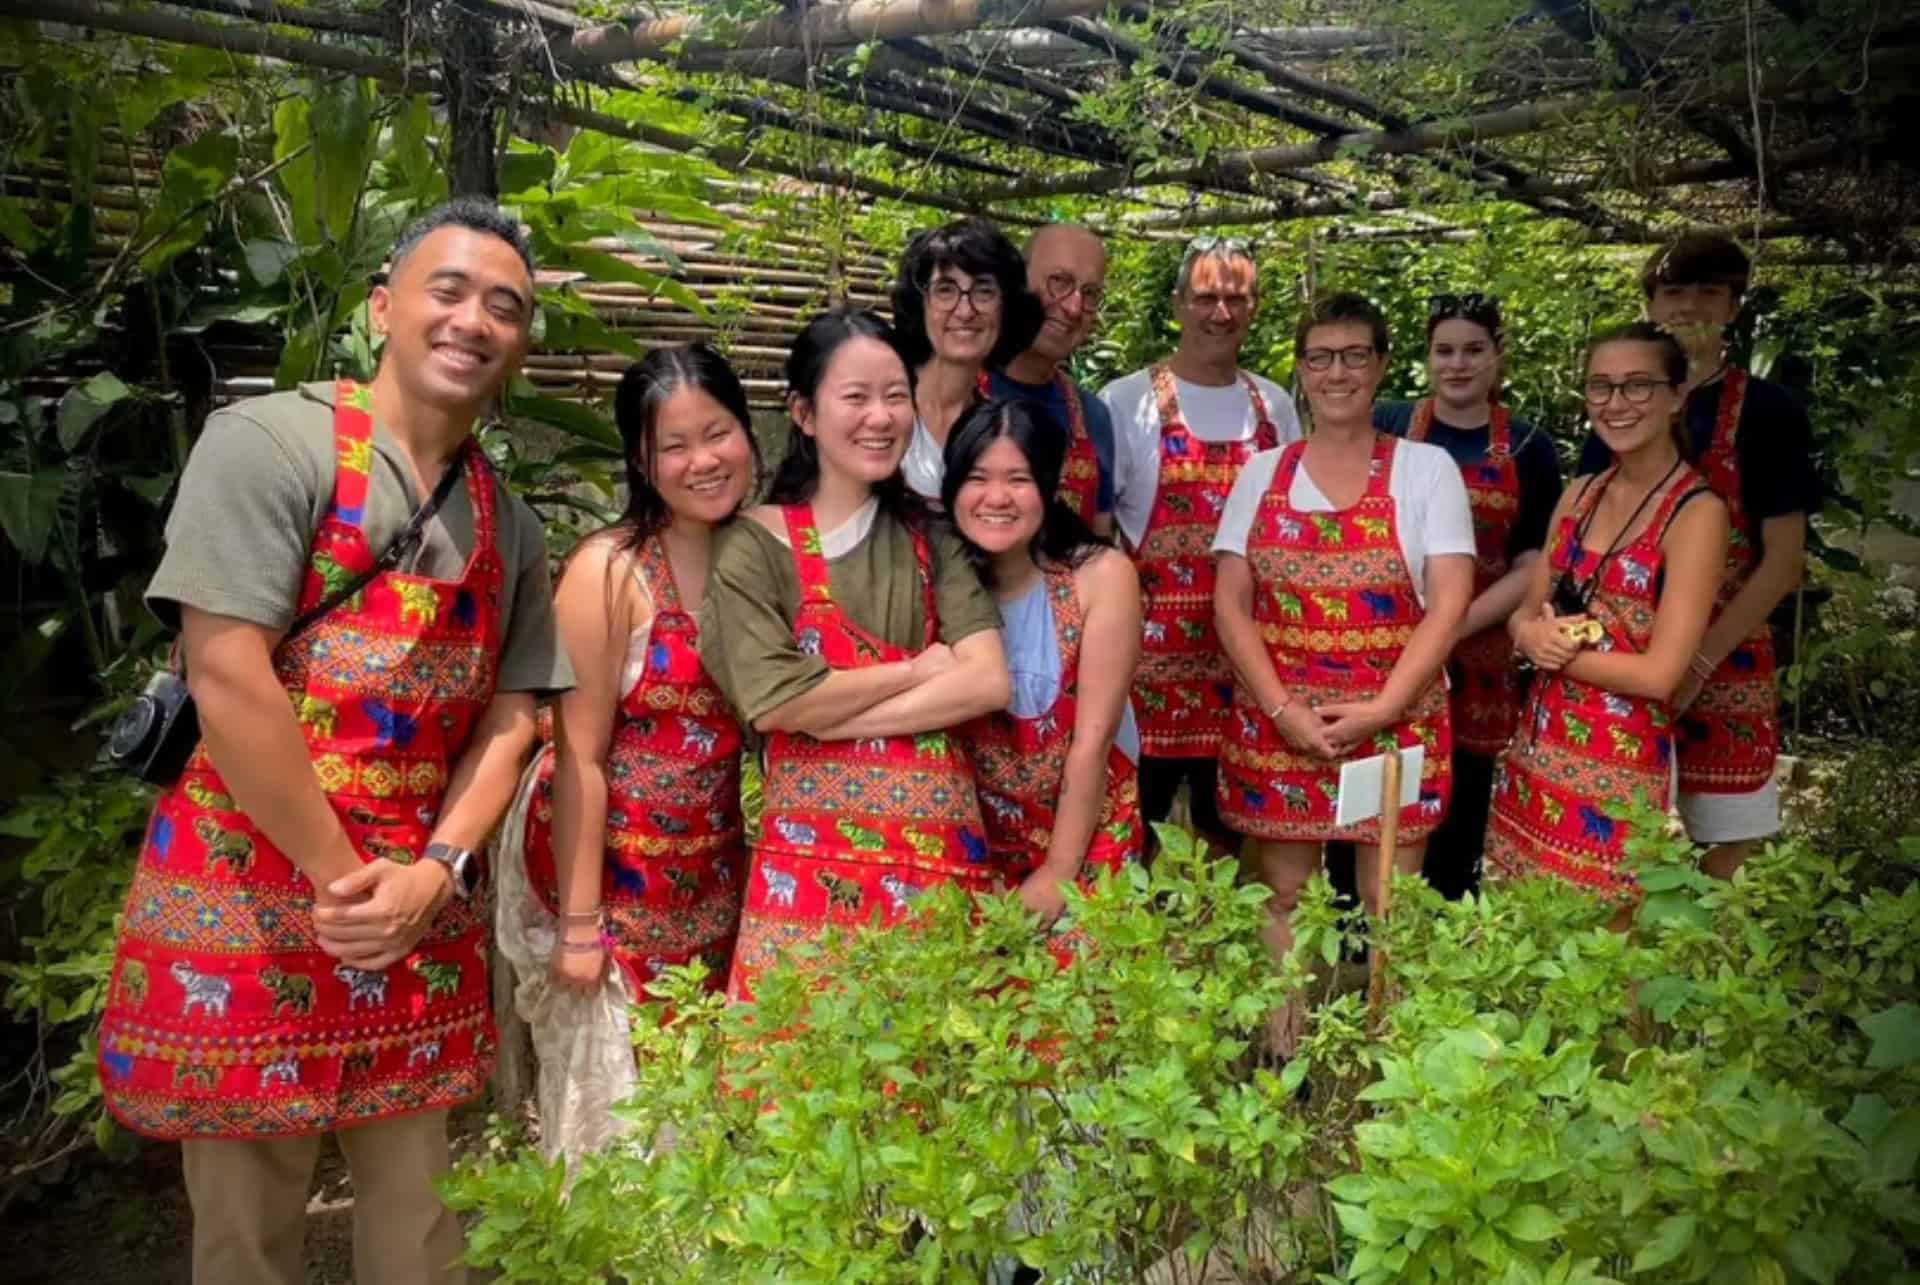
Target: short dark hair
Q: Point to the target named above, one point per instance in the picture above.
(978, 248)
(476, 214)
(1334, 309)
(1698, 259)
(1482, 310)
(1063, 540)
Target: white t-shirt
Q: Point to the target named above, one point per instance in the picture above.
(1212, 414)
(1431, 515)
(925, 463)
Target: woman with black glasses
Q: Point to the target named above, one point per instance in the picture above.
(1513, 483)
(1345, 563)
(960, 307)
(1611, 618)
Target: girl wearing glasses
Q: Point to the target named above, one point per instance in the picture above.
(960, 308)
(1345, 567)
(1057, 768)
(851, 635)
(1611, 617)
(1513, 483)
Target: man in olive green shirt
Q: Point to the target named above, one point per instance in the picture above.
(456, 315)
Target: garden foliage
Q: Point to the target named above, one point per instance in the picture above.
(1519, 1117)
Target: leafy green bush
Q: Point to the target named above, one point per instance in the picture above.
(1729, 1092)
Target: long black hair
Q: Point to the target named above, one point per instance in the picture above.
(1063, 540)
(1673, 360)
(798, 476)
(645, 389)
(978, 248)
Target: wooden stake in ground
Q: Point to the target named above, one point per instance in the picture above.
(1383, 889)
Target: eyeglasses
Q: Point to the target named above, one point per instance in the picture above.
(1481, 309)
(946, 293)
(1061, 284)
(1354, 358)
(1638, 390)
(1230, 245)
(1237, 304)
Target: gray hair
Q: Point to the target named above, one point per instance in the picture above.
(476, 214)
(1223, 250)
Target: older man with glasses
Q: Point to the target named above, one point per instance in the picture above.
(1183, 429)
(1067, 270)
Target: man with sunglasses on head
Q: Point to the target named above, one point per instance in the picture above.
(1183, 429)
(1513, 483)
(1752, 441)
(1067, 271)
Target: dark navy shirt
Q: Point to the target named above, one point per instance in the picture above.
(1048, 397)
(1773, 448)
(1533, 459)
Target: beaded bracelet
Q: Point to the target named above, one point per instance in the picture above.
(1701, 666)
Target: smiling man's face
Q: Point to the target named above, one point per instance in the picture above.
(457, 313)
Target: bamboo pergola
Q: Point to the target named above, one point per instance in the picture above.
(1776, 119)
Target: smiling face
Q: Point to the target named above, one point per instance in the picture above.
(702, 459)
(1067, 271)
(456, 314)
(1339, 392)
(963, 315)
(1216, 307)
(1623, 371)
(999, 506)
(861, 415)
(1463, 361)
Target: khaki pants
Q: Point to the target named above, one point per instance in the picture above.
(250, 1206)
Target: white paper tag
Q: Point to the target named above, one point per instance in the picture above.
(1362, 780)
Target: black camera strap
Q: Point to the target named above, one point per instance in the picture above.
(409, 536)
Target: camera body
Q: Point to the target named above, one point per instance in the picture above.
(155, 737)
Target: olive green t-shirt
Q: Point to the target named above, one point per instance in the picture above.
(258, 483)
(753, 593)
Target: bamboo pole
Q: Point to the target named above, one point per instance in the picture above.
(281, 15)
(1383, 889)
(810, 28)
(1528, 118)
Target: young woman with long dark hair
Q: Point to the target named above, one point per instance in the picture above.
(1057, 778)
(851, 636)
(1634, 562)
(961, 308)
(634, 831)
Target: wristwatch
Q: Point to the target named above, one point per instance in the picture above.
(461, 863)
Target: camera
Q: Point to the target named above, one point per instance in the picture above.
(155, 737)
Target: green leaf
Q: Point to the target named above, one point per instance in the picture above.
(85, 403)
(267, 259)
(192, 177)
(524, 167)
(343, 138)
(1895, 1153)
(296, 176)
(1670, 1240)
(29, 508)
(1896, 1036)
(1532, 1223)
(16, 227)
(1819, 1254)
(569, 417)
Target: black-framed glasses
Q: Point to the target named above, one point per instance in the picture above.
(1355, 357)
(1237, 304)
(1061, 284)
(1637, 389)
(946, 293)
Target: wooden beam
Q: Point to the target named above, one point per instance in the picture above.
(851, 23)
(234, 38)
(282, 15)
(764, 112)
(1043, 48)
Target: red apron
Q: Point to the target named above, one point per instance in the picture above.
(224, 1018)
(1335, 606)
(1080, 470)
(1486, 696)
(1184, 683)
(1731, 733)
(675, 858)
(1581, 747)
(1021, 762)
(852, 829)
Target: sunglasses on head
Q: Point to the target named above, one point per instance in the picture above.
(1481, 309)
(1232, 246)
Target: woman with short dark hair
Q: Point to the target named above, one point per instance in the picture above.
(961, 307)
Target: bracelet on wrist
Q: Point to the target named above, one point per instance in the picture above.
(1273, 715)
(1701, 666)
(584, 947)
(582, 916)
